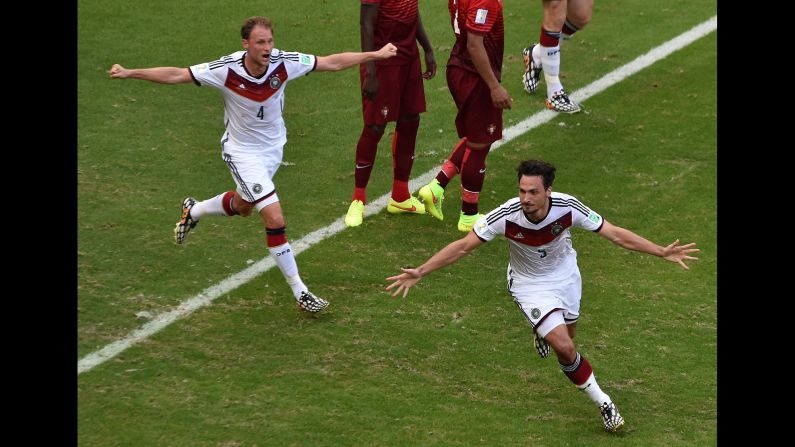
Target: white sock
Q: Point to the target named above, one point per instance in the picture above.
(209, 207)
(536, 53)
(550, 62)
(283, 255)
(591, 388)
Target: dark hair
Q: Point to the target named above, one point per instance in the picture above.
(251, 22)
(537, 167)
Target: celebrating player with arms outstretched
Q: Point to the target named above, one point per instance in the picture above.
(543, 276)
(252, 83)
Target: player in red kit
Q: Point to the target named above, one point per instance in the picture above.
(473, 77)
(391, 91)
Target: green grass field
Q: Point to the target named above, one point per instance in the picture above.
(454, 363)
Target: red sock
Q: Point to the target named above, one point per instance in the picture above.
(473, 172)
(452, 166)
(276, 236)
(579, 371)
(549, 38)
(365, 157)
(403, 144)
(226, 202)
(569, 28)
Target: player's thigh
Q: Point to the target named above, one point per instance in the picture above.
(252, 174)
(478, 119)
(412, 90)
(385, 107)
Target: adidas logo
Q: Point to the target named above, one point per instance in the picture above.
(243, 86)
(519, 236)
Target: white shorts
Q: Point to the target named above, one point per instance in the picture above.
(538, 301)
(253, 173)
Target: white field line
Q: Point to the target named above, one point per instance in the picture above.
(211, 293)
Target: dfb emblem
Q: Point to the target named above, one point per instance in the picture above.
(275, 82)
(385, 111)
(556, 229)
(257, 188)
(535, 313)
(491, 129)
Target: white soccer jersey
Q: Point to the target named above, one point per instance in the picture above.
(542, 252)
(253, 105)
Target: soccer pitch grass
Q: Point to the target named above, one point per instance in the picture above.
(453, 364)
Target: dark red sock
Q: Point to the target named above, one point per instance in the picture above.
(365, 158)
(276, 236)
(403, 145)
(452, 165)
(569, 28)
(579, 371)
(473, 172)
(549, 38)
(227, 201)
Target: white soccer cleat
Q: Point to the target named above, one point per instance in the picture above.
(610, 416)
(560, 102)
(532, 71)
(311, 303)
(186, 222)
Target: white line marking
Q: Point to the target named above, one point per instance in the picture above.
(227, 285)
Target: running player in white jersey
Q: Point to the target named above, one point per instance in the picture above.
(252, 83)
(543, 277)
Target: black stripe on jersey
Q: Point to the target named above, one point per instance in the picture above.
(502, 212)
(575, 204)
(220, 62)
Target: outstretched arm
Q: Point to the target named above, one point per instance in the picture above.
(162, 75)
(444, 257)
(631, 241)
(341, 61)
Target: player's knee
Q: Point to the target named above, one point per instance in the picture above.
(375, 128)
(242, 207)
(414, 117)
(565, 351)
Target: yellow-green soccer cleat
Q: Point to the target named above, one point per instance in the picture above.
(465, 222)
(432, 195)
(355, 214)
(410, 205)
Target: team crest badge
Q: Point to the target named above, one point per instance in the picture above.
(556, 229)
(535, 313)
(385, 111)
(275, 82)
(491, 129)
(257, 188)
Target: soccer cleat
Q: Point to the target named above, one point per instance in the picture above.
(560, 102)
(410, 205)
(541, 346)
(466, 222)
(532, 71)
(612, 420)
(355, 214)
(186, 222)
(432, 195)
(311, 303)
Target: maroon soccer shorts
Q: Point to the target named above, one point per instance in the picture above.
(400, 92)
(477, 118)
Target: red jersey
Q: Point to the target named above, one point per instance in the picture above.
(396, 23)
(483, 17)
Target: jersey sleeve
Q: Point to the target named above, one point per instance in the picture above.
(492, 224)
(211, 73)
(584, 217)
(481, 16)
(298, 64)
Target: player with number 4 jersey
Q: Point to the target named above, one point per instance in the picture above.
(252, 83)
